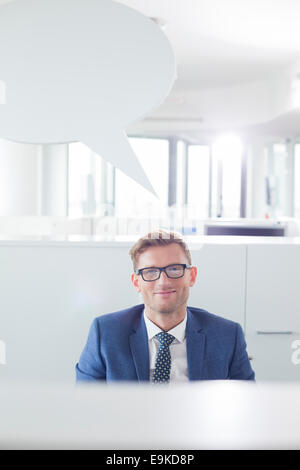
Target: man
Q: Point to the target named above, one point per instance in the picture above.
(163, 340)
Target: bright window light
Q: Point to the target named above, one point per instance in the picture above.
(198, 180)
(295, 93)
(297, 182)
(227, 155)
(133, 200)
(180, 174)
(227, 146)
(85, 180)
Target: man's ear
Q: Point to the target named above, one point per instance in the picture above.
(135, 282)
(193, 275)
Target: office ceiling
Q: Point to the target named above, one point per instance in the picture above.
(238, 66)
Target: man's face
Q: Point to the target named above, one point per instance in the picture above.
(164, 295)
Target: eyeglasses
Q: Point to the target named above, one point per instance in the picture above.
(173, 271)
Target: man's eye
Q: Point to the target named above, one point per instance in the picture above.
(150, 271)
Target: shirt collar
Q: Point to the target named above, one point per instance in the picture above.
(178, 331)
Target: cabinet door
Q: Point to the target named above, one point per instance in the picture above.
(275, 356)
(273, 309)
(273, 288)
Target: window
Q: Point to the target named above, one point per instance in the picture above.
(181, 174)
(231, 186)
(297, 182)
(226, 177)
(81, 186)
(90, 185)
(277, 180)
(207, 181)
(131, 199)
(280, 172)
(198, 181)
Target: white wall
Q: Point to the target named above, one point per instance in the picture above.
(33, 179)
(18, 179)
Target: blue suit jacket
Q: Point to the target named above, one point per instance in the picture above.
(117, 348)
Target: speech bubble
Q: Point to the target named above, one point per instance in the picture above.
(2, 352)
(81, 70)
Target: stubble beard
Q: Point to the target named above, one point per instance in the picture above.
(171, 309)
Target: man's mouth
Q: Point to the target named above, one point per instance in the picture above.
(165, 292)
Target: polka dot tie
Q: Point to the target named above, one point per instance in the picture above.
(163, 359)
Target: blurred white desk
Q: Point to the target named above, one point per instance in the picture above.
(200, 415)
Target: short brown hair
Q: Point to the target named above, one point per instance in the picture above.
(158, 237)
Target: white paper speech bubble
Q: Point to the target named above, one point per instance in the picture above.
(81, 70)
(2, 352)
(2, 92)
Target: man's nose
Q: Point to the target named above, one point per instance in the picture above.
(163, 278)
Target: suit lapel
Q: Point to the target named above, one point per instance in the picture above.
(139, 348)
(195, 343)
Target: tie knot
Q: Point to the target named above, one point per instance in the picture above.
(164, 338)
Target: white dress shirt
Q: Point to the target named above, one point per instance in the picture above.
(179, 369)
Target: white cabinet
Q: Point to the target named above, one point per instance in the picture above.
(273, 309)
(272, 356)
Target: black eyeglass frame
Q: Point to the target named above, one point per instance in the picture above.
(139, 272)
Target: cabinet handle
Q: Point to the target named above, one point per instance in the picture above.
(274, 332)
